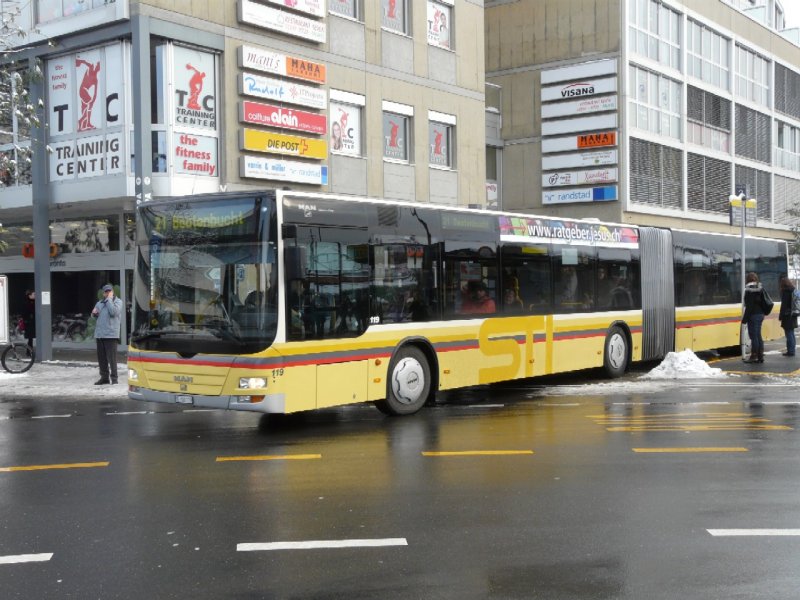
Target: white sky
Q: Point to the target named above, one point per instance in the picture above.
(791, 9)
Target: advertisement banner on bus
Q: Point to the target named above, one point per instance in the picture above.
(563, 231)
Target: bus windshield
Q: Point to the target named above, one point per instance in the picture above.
(206, 277)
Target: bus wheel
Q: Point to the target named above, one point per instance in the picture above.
(409, 383)
(615, 358)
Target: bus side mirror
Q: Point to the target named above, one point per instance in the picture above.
(289, 231)
(294, 260)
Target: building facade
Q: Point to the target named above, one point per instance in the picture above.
(153, 98)
(647, 111)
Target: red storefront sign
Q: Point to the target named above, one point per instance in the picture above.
(285, 118)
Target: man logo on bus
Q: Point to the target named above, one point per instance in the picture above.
(307, 209)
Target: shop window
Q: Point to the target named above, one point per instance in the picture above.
(440, 144)
(394, 15)
(440, 24)
(345, 8)
(396, 128)
(80, 236)
(346, 128)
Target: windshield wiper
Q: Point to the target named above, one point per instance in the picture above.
(157, 334)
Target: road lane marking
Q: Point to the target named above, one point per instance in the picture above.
(479, 453)
(25, 558)
(701, 428)
(709, 449)
(316, 544)
(269, 457)
(126, 414)
(753, 532)
(51, 417)
(57, 466)
(480, 406)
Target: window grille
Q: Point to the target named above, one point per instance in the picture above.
(753, 134)
(758, 187)
(709, 183)
(656, 174)
(787, 191)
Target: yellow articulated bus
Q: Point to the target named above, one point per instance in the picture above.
(282, 301)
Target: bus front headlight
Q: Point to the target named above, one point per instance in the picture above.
(252, 383)
(132, 375)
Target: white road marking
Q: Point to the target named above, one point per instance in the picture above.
(315, 544)
(199, 410)
(133, 412)
(753, 532)
(52, 417)
(25, 558)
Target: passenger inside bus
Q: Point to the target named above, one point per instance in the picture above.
(512, 304)
(477, 299)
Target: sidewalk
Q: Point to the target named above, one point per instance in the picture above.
(82, 355)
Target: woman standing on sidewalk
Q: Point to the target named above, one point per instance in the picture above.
(754, 312)
(787, 315)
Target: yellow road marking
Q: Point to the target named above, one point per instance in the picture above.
(270, 457)
(672, 415)
(479, 453)
(61, 466)
(702, 428)
(686, 450)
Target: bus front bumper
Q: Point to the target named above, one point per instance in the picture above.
(272, 403)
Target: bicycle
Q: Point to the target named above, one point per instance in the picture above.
(17, 357)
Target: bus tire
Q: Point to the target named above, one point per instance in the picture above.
(615, 355)
(409, 383)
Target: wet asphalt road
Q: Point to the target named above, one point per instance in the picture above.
(517, 491)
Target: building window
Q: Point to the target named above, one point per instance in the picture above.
(787, 146)
(752, 76)
(395, 136)
(49, 10)
(655, 32)
(394, 15)
(707, 55)
(708, 120)
(655, 104)
(656, 174)
(758, 187)
(345, 8)
(786, 191)
(183, 111)
(753, 132)
(440, 140)
(440, 23)
(15, 130)
(345, 120)
(709, 183)
(787, 91)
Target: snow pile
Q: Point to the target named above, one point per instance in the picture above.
(683, 365)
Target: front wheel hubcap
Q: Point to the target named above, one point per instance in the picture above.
(616, 351)
(408, 380)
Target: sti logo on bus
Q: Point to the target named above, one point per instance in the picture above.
(507, 346)
(577, 89)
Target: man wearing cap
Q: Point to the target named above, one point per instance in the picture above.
(108, 312)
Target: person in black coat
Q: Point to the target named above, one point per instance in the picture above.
(754, 300)
(787, 317)
(29, 316)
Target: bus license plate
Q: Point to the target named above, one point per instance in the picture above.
(184, 399)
